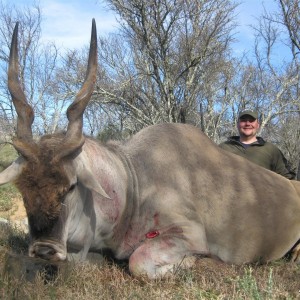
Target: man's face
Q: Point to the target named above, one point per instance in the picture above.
(248, 126)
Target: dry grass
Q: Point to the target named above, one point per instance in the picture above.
(209, 279)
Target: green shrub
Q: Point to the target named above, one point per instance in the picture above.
(7, 155)
(7, 193)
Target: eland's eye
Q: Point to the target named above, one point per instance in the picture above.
(72, 187)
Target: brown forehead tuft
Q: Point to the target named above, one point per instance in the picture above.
(42, 183)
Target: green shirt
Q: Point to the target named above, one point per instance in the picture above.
(261, 153)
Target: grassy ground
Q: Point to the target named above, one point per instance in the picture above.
(209, 279)
(7, 194)
(7, 191)
(7, 155)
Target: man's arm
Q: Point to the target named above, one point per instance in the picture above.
(282, 166)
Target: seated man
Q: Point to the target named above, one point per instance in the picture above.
(254, 148)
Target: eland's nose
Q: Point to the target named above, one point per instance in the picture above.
(47, 251)
(44, 252)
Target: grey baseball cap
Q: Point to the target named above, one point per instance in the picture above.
(248, 112)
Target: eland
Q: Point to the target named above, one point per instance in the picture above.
(158, 199)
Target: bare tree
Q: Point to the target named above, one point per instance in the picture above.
(37, 68)
(290, 18)
(168, 58)
(170, 62)
(29, 35)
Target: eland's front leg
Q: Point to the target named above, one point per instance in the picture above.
(296, 254)
(161, 257)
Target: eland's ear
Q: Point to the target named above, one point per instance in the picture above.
(85, 175)
(89, 181)
(12, 171)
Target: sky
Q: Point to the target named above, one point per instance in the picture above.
(68, 22)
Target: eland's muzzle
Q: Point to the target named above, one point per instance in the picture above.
(49, 250)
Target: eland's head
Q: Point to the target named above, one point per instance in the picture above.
(44, 173)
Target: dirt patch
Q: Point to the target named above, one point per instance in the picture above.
(20, 212)
(16, 216)
(17, 212)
